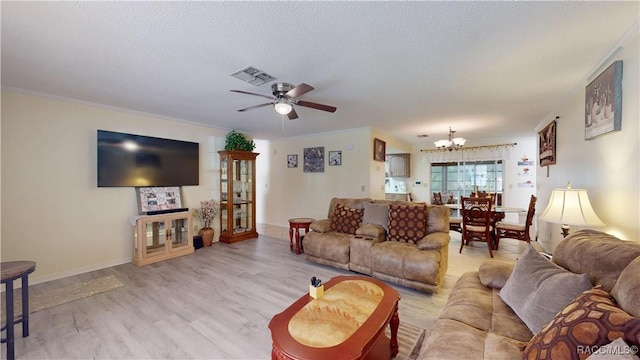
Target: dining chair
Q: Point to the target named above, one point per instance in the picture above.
(476, 221)
(515, 230)
(437, 198)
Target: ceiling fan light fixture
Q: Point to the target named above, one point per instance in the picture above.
(282, 107)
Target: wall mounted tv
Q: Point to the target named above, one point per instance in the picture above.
(136, 160)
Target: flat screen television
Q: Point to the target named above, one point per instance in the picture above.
(136, 160)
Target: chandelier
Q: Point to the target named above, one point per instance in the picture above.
(452, 143)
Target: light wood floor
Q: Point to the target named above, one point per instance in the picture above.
(214, 304)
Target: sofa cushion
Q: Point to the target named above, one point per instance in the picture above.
(590, 321)
(495, 273)
(407, 223)
(538, 289)
(377, 214)
(437, 219)
(434, 241)
(405, 261)
(577, 252)
(345, 219)
(627, 288)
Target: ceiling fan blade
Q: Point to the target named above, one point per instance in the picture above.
(256, 106)
(299, 90)
(250, 93)
(292, 114)
(316, 106)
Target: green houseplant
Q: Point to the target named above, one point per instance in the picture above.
(237, 141)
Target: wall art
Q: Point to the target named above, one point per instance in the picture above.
(379, 150)
(603, 102)
(158, 198)
(335, 157)
(292, 160)
(313, 159)
(547, 144)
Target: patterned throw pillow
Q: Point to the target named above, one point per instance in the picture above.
(407, 223)
(346, 220)
(592, 320)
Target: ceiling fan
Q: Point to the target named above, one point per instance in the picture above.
(285, 96)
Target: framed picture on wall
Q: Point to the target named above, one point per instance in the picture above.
(603, 102)
(547, 144)
(379, 150)
(292, 160)
(335, 157)
(313, 159)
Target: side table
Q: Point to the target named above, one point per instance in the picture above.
(11, 271)
(297, 224)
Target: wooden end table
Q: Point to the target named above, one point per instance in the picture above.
(11, 271)
(368, 341)
(297, 224)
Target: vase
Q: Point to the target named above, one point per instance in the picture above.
(207, 236)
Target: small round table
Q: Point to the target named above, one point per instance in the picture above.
(297, 224)
(11, 271)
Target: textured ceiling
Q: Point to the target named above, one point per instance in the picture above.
(487, 69)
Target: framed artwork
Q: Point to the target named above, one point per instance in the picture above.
(335, 157)
(547, 144)
(313, 159)
(379, 150)
(292, 160)
(603, 102)
(158, 198)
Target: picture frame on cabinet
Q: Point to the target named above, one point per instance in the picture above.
(152, 199)
(292, 160)
(379, 150)
(335, 157)
(603, 103)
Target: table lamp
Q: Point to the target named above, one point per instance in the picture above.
(570, 207)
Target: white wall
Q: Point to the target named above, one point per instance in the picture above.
(284, 193)
(52, 210)
(607, 166)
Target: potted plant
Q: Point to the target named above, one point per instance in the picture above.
(236, 141)
(208, 210)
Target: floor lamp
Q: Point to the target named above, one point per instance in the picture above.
(570, 207)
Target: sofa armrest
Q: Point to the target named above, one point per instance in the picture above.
(495, 273)
(434, 241)
(321, 226)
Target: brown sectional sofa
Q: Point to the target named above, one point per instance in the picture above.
(477, 324)
(418, 260)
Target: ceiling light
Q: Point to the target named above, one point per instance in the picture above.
(283, 107)
(452, 143)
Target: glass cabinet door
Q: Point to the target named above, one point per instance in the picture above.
(179, 232)
(155, 237)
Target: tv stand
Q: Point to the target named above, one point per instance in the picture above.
(161, 237)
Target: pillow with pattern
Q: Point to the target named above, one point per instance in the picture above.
(407, 223)
(346, 220)
(592, 320)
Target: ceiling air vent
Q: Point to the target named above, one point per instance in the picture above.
(253, 76)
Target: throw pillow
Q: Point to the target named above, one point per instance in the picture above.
(346, 220)
(590, 321)
(376, 214)
(407, 223)
(538, 289)
(626, 291)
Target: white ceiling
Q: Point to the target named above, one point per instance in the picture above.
(487, 69)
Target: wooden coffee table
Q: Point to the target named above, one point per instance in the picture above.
(348, 322)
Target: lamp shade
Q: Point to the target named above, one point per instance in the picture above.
(570, 207)
(283, 107)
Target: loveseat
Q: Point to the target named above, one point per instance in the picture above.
(395, 241)
(559, 316)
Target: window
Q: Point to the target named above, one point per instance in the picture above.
(461, 179)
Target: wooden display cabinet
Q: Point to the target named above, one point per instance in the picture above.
(162, 237)
(237, 196)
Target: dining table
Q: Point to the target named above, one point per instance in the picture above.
(498, 214)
